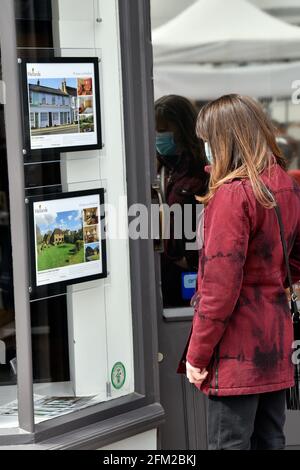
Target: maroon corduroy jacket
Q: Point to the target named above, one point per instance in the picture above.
(242, 329)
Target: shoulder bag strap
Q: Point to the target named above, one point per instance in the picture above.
(294, 298)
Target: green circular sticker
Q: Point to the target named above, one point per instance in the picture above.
(118, 375)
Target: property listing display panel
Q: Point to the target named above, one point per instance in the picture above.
(63, 109)
(67, 239)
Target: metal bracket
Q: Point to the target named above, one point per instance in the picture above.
(294, 297)
(108, 389)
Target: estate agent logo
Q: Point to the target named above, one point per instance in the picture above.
(118, 375)
(41, 210)
(33, 73)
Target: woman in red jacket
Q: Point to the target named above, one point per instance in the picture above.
(239, 352)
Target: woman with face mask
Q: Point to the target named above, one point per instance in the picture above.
(240, 349)
(181, 154)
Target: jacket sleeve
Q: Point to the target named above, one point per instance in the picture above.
(226, 236)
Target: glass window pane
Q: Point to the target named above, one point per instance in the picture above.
(81, 339)
(201, 66)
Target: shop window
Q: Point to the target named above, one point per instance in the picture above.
(82, 347)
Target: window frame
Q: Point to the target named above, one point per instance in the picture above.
(141, 410)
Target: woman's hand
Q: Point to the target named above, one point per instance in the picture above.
(196, 376)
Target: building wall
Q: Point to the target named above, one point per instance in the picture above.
(144, 441)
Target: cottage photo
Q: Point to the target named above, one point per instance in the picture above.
(59, 239)
(54, 106)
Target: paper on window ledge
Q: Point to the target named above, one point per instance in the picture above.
(46, 407)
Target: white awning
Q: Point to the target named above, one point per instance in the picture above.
(225, 31)
(202, 82)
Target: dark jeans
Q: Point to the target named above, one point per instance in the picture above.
(247, 422)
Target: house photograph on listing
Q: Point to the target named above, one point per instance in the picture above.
(54, 106)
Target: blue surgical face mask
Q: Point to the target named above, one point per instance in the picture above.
(208, 153)
(165, 143)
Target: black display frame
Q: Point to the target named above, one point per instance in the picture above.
(58, 288)
(45, 152)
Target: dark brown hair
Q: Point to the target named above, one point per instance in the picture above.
(183, 115)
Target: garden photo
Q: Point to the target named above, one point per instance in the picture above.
(92, 252)
(59, 240)
(86, 123)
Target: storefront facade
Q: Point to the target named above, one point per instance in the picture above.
(89, 346)
(79, 363)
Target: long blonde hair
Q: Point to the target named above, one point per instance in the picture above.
(242, 140)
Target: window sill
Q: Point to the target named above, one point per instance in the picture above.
(101, 433)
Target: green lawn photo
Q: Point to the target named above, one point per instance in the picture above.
(58, 256)
(92, 252)
(93, 258)
(59, 239)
